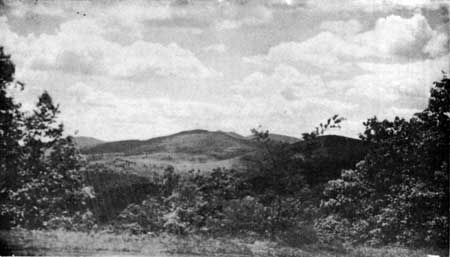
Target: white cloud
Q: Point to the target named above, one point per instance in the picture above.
(373, 5)
(134, 88)
(397, 36)
(235, 24)
(325, 50)
(393, 112)
(108, 115)
(286, 97)
(78, 46)
(84, 95)
(20, 9)
(285, 81)
(131, 12)
(438, 45)
(395, 83)
(236, 15)
(345, 28)
(392, 38)
(218, 48)
(142, 58)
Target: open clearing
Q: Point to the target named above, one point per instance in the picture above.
(59, 242)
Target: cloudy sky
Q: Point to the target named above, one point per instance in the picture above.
(138, 69)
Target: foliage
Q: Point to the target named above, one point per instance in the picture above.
(333, 122)
(193, 202)
(114, 191)
(277, 180)
(41, 168)
(400, 192)
(10, 133)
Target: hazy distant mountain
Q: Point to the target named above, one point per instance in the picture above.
(218, 144)
(279, 138)
(84, 142)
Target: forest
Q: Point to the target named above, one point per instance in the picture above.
(388, 190)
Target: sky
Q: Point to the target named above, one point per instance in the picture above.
(140, 69)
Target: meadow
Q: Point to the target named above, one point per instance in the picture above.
(145, 164)
(60, 242)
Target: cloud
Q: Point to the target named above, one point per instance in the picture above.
(398, 36)
(20, 9)
(217, 48)
(394, 83)
(131, 12)
(343, 43)
(382, 89)
(79, 46)
(393, 112)
(344, 28)
(235, 24)
(94, 112)
(373, 5)
(84, 95)
(438, 45)
(285, 80)
(108, 115)
(115, 76)
(234, 15)
(326, 51)
(284, 96)
(142, 57)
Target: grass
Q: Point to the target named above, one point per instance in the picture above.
(59, 242)
(145, 164)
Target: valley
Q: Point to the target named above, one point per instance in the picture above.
(200, 150)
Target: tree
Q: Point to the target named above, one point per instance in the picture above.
(276, 183)
(51, 182)
(400, 192)
(10, 133)
(42, 131)
(41, 171)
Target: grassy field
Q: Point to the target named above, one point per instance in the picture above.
(59, 242)
(145, 164)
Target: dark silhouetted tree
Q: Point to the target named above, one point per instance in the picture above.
(10, 133)
(40, 169)
(400, 192)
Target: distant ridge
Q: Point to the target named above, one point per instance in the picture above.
(330, 155)
(218, 144)
(85, 142)
(236, 135)
(279, 138)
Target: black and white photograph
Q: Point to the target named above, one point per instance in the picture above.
(231, 128)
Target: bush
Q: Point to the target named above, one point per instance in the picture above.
(400, 192)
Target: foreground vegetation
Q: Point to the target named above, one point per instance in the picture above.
(289, 201)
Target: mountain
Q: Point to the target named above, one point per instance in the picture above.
(235, 135)
(218, 144)
(330, 145)
(329, 155)
(85, 142)
(279, 138)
